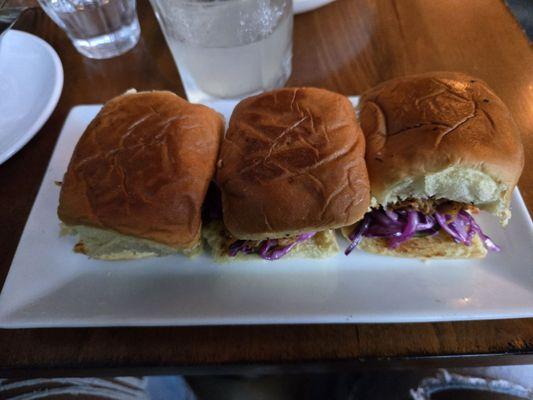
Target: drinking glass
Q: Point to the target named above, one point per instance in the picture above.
(97, 28)
(227, 49)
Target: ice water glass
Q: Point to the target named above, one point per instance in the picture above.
(97, 28)
(227, 49)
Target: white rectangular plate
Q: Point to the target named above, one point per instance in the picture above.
(50, 286)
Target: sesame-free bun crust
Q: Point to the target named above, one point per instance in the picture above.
(441, 134)
(142, 168)
(292, 161)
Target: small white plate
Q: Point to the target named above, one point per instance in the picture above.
(301, 6)
(31, 80)
(50, 286)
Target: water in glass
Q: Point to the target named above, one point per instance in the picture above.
(228, 48)
(97, 28)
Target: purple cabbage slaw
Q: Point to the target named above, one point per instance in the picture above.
(400, 226)
(268, 249)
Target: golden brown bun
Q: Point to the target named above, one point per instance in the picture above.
(142, 168)
(434, 247)
(441, 134)
(292, 161)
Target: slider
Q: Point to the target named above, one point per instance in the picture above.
(291, 170)
(138, 176)
(440, 147)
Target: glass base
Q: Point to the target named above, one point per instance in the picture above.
(110, 45)
(197, 95)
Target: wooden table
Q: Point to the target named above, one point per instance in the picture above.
(347, 46)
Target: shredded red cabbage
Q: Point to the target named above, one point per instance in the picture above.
(402, 225)
(239, 246)
(357, 235)
(391, 214)
(409, 229)
(267, 249)
(487, 241)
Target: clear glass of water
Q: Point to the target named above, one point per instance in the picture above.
(97, 28)
(227, 49)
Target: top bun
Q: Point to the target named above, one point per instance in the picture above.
(292, 161)
(142, 168)
(442, 135)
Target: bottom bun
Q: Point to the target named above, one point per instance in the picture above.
(434, 247)
(109, 245)
(322, 245)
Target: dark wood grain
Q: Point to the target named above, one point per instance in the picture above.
(347, 46)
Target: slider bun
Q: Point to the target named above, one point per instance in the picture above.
(439, 246)
(322, 245)
(141, 169)
(109, 245)
(292, 161)
(442, 135)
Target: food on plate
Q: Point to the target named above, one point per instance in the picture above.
(138, 176)
(291, 170)
(440, 147)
